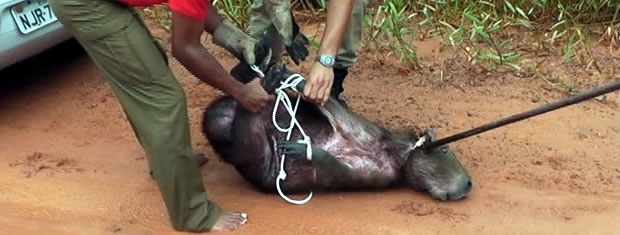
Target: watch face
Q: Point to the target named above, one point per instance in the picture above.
(327, 60)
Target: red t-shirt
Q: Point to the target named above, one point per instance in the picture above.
(194, 9)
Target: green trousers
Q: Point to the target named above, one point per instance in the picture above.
(347, 53)
(122, 48)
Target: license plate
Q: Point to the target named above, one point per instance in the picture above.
(32, 15)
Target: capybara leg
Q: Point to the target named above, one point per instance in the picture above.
(218, 121)
(330, 169)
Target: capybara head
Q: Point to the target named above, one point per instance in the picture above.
(438, 171)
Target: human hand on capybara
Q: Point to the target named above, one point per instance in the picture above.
(318, 84)
(253, 96)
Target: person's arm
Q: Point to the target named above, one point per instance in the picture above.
(318, 86)
(338, 15)
(187, 48)
(213, 21)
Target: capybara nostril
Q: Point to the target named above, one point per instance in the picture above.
(468, 187)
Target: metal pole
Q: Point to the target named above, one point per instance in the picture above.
(527, 114)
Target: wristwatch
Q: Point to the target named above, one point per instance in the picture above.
(326, 60)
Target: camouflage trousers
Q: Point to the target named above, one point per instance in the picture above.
(347, 53)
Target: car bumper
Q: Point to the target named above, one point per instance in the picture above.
(16, 47)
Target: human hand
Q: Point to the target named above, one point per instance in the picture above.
(319, 84)
(298, 47)
(253, 97)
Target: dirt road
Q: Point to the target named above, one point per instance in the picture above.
(69, 163)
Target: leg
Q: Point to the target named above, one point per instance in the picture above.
(338, 85)
(259, 24)
(347, 53)
(217, 122)
(239, 138)
(330, 169)
(152, 99)
(200, 158)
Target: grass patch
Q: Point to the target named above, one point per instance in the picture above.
(492, 33)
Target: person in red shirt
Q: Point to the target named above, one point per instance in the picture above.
(136, 69)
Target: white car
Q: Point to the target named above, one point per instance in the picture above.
(27, 28)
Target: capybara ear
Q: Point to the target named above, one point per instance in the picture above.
(430, 133)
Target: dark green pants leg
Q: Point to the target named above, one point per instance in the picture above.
(152, 99)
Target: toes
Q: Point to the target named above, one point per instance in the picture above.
(229, 221)
(242, 218)
(237, 220)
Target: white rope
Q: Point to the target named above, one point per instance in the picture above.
(290, 83)
(420, 142)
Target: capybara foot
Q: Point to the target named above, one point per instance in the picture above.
(229, 221)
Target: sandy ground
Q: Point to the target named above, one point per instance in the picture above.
(69, 163)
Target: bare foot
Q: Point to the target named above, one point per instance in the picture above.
(229, 221)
